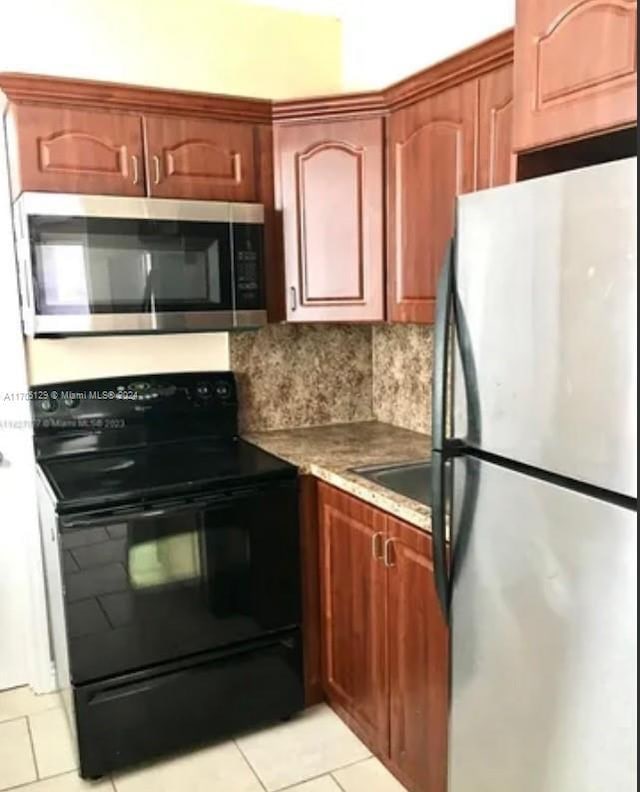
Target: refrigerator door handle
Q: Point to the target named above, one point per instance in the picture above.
(443, 317)
(439, 532)
(439, 427)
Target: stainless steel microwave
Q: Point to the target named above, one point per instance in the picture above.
(108, 264)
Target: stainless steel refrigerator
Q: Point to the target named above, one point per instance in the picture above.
(535, 480)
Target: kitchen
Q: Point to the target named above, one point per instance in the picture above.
(321, 342)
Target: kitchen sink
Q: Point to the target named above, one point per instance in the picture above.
(411, 479)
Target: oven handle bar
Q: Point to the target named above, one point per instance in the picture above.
(150, 510)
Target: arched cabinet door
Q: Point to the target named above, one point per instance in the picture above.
(431, 160)
(495, 159)
(59, 149)
(202, 159)
(576, 69)
(331, 197)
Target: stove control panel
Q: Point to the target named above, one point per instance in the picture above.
(164, 401)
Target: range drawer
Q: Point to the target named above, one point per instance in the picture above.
(129, 720)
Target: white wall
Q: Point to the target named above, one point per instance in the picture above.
(385, 42)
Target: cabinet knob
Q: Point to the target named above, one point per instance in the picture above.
(156, 169)
(135, 170)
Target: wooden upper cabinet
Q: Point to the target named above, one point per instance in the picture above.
(353, 592)
(56, 149)
(495, 164)
(417, 662)
(431, 161)
(331, 198)
(576, 69)
(202, 159)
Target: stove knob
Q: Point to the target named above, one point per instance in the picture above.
(49, 405)
(204, 390)
(71, 403)
(223, 390)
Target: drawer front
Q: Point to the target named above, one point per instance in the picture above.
(119, 724)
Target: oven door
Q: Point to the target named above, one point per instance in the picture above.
(175, 580)
(101, 264)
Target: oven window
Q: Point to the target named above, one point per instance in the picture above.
(165, 560)
(94, 265)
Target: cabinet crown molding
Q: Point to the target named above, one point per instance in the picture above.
(41, 89)
(473, 62)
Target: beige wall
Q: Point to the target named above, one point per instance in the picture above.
(58, 360)
(223, 46)
(220, 46)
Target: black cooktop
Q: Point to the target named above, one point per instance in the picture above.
(126, 476)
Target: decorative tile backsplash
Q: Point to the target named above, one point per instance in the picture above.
(312, 375)
(402, 362)
(302, 375)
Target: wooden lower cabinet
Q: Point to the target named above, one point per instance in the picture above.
(384, 642)
(417, 662)
(353, 595)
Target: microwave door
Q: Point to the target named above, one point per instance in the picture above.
(106, 275)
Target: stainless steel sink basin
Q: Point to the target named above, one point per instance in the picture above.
(411, 479)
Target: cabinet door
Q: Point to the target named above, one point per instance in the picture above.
(331, 195)
(353, 595)
(576, 69)
(418, 662)
(431, 161)
(495, 128)
(194, 158)
(57, 149)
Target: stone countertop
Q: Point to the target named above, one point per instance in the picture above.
(328, 452)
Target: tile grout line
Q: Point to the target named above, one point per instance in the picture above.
(28, 714)
(324, 774)
(74, 773)
(33, 748)
(337, 783)
(251, 767)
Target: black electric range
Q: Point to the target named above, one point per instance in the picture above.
(173, 565)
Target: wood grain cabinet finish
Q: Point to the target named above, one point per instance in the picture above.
(331, 198)
(201, 159)
(576, 69)
(495, 158)
(417, 662)
(385, 643)
(431, 161)
(58, 149)
(353, 597)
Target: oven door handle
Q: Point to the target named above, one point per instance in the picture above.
(70, 523)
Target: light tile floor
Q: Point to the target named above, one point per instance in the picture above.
(314, 752)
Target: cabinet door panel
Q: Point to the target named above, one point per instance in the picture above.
(63, 150)
(353, 593)
(332, 202)
(495, 128)
(431, 161)
(576, 68)
(193, 158)
(418, 662)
